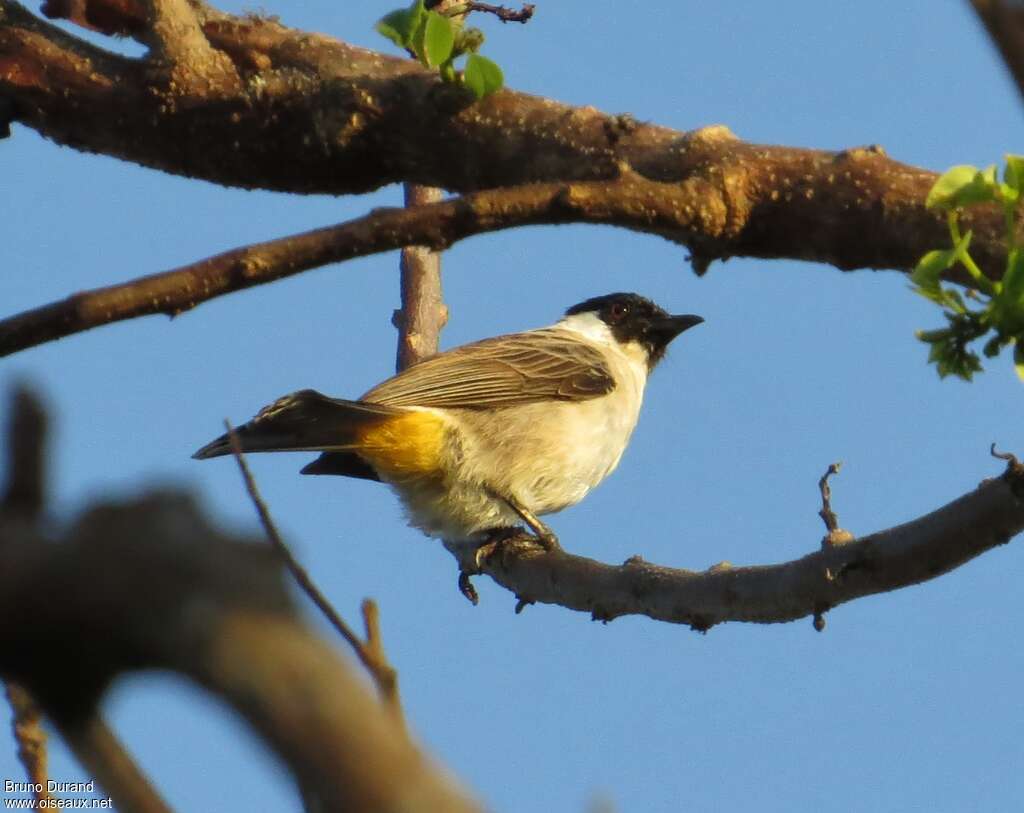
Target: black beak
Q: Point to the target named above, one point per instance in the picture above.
(664, 329)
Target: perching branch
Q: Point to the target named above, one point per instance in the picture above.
(887, 560)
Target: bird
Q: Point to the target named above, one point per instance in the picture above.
(479, 439)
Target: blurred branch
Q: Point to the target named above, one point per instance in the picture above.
(21, 508)
(1004, 22)
(840, 572)
(150, 584)
(27, 727)
(370, 653)
(21, 505)
(105, 758)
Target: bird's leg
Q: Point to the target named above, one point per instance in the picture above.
(544, 534)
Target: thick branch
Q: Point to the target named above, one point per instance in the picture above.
(317, 115)
(888, 560)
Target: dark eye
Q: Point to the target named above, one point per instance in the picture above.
(617, 310)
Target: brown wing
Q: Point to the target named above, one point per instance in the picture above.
(506, 370)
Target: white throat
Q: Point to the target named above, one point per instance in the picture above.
(592, 327)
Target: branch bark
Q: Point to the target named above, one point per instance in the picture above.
(691, 212)
(423, 313)
(887, 560)
(317, 115)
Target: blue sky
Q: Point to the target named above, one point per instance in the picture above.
(907, 701)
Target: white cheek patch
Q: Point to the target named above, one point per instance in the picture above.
(589, 325)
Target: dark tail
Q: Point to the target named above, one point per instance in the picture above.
(302, 421)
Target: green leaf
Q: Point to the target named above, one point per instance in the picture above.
(1013, 277)
(930, 267)
(400, 25)
(482, 76)
(438, 39)
(1014, 172)
(1006, 310)
(1018, 360)
(948, 184)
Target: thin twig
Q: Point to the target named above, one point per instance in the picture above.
(506, 15)
(378, 668)
(826, 513)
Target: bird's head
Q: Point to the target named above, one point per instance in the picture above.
(633, 318)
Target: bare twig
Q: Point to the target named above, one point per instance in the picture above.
(104, 757)
(506, 15)
(423, 313)
(370, 654)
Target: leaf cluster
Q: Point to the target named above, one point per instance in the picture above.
(1000, 309)
(437, 39)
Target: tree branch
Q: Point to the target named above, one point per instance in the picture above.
(21, 508)
(27, 727)
(887, 560)
(692, 212)
(104, 757)
(180, 51)
(423, 313)
(317, 115)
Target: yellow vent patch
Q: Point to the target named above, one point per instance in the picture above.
(405, 447)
